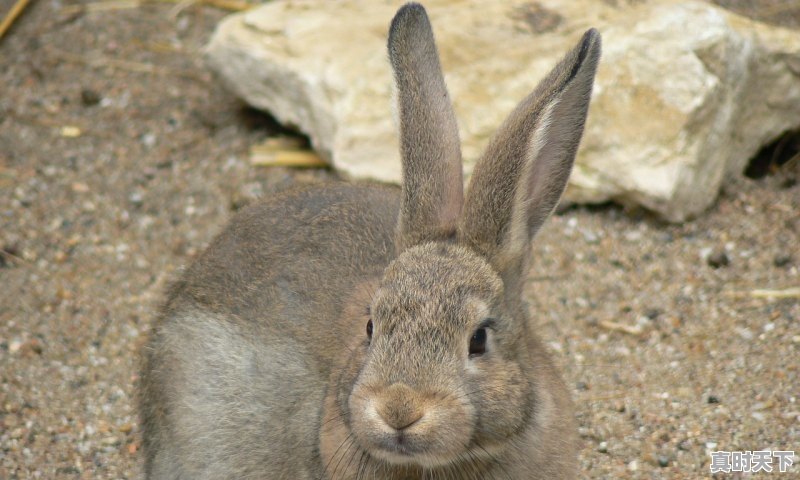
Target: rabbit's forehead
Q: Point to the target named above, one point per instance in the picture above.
(398, 307)
(436, 279)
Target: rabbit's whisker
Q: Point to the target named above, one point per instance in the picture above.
(347, 454)
(363, 463)
(494, 460)
(346, 439)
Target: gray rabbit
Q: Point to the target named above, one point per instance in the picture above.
(361, 331)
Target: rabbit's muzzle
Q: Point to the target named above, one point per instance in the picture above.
(401, 425)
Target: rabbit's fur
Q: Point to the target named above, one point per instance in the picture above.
(261, 365)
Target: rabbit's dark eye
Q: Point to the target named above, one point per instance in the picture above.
(369, 329)
(477, 344)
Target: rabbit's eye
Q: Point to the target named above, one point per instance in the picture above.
(369, 329)
(477, 344)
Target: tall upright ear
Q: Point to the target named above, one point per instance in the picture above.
(520, 178)
(429, 146)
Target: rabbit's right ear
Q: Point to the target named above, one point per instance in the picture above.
(432, 194)
(520, 178)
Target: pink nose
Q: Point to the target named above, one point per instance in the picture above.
(399, 406)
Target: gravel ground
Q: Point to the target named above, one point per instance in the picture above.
(121, 156)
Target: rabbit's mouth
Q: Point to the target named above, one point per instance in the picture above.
(396, 450)
(399, 451)
(418, 444)
(406, 446)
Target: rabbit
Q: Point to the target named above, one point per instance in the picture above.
(364, 331)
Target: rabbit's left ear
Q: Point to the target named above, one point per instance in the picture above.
(429, 146)
(520, 178)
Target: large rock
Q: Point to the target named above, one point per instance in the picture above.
(685, 94)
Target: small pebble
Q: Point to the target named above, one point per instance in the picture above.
(782, 260)
(7, 253)
(148, 140)
(633, 235)
(663, 461)
(126, 428)
(652, 313)
(602, 447)
(89, 97)
(590, 237)
(15, 346)
(136, 198)
(34, 346)
(745, 333)
(718, 259)
(79, 187)
(71, 470)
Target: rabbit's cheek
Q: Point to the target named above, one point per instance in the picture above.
(505, 403)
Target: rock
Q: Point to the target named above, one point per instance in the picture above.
(686, 92)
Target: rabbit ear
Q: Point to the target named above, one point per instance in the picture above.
(520, 178)
(429, 146)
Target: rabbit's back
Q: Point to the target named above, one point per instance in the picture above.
(296, 253)
(237, 365)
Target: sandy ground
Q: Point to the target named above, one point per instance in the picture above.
(121, 156)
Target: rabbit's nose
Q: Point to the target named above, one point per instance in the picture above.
(399, 406)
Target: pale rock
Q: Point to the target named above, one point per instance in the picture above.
(686, 92)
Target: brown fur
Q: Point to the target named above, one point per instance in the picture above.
(260, 365)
